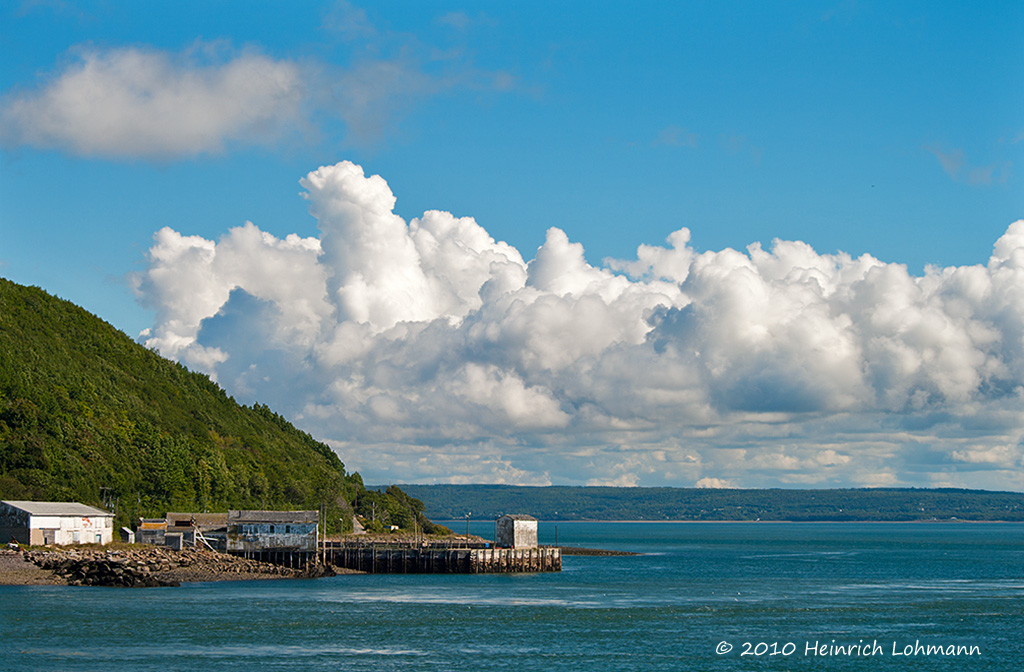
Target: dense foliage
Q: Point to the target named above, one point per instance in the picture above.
(87, 414)
(607, 503)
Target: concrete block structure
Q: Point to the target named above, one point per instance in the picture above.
(516, 531)
(59, 523)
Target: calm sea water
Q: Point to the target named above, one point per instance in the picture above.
(700, 596)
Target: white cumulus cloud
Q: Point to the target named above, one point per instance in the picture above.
(427, 350)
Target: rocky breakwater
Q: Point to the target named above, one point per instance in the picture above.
(143, 567)
(77, 569)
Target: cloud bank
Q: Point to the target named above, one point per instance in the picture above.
(147, 103)
(428, 351)
(133, 102)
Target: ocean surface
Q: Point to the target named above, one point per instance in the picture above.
(703, 596)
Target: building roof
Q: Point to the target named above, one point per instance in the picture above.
(273, 516)
(519, 516)
(58, 509)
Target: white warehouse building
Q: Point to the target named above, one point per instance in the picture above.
(60, 523)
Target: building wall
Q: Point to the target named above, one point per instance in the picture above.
(13, 525)
(255, 537)
(525, 534)
(68, 530)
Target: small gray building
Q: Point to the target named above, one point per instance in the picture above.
(260, 531)
(516, 531)
(151, 531)
(61, 523)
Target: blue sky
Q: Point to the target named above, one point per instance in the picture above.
(894, 130)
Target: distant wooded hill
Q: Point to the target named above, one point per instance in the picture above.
(89, 415)
(446, 502)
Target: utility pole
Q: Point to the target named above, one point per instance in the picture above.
(323, 517)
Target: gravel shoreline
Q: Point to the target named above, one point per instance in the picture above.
(138, 566)
(16, 571)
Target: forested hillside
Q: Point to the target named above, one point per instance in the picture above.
(608, 503)
(87, 414)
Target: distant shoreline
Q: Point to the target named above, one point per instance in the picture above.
(664, 504)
